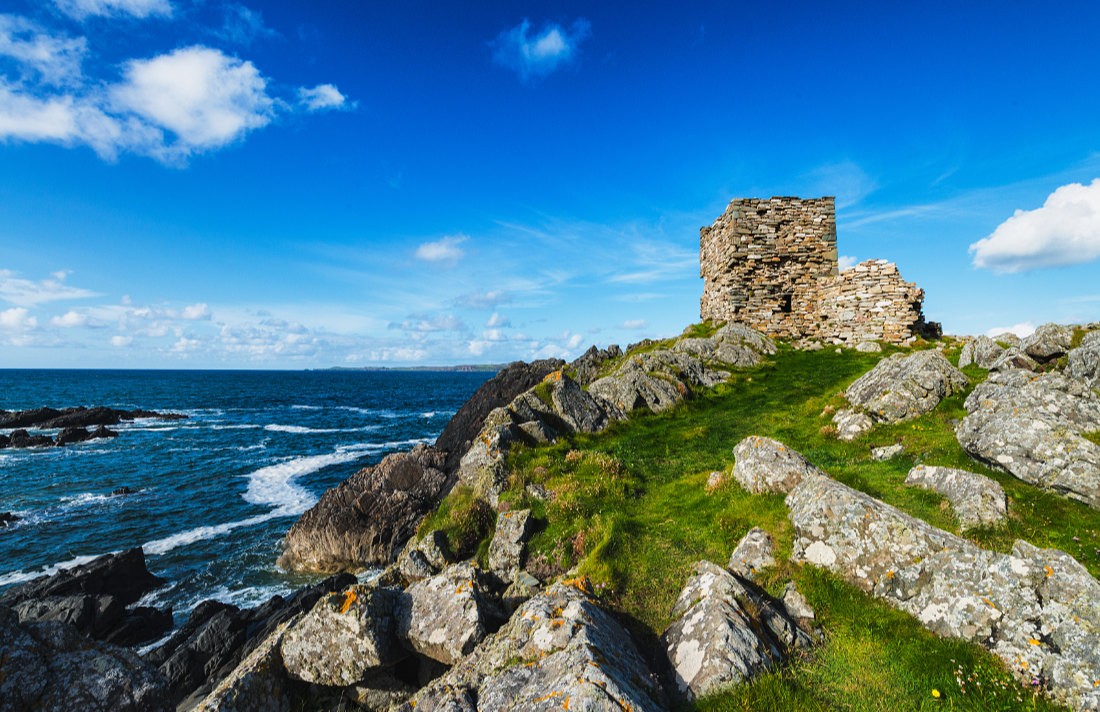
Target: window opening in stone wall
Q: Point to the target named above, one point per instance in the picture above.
(785, 303)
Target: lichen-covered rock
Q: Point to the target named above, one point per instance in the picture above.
(977, 500)
(366, 520)
(755, 551)
(587, 367)
(869, 347)
(903, 386)
(258, 684)
(506, 550)
(559, 651)
(581, 412)
(1084, 361)
(445, 616)
(655, 380)
(50, 666)
(887, 452)
(343, 637)
(766, 465)
(522, 589)
(980, 351)
(733, 344)
(1048, 342)
(850, 424)
(1031, 427)
(1035, 609)
(724, 633)
(1013, 358)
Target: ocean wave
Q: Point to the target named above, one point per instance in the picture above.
(166, 544)
(79, 500)
(28, 574)
(306, 407)
(302, 430)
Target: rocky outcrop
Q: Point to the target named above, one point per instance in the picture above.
(1084, 361)
(1014, 357)
(766, 465)
(980, 351)
(850, 424)
(733, 345)
(258, 684)
(506, 551)
(655, 380)
(423, 557)
(445, 616)
(755, 551)
(725, 633)
(1031, 427)
(366, 520)
(73, 423)
(903, 386)
(1035, 609)
(559, 651)
(1048, 342)
(94, 598)
(588, 366)
(977, 500)
(50, 666)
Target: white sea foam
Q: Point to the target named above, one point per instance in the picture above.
(27, 575)
(166, 544)
(302, 430)
(306, 407)
(79, 500)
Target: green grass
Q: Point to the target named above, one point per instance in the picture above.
(629, 508)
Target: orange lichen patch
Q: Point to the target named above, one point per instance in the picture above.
(549, 696)
(1033, 642)
(989, 603)
(1049, 570)
(553, 376)
(556, 624)
(565, 705)
(890, 574)
(349, 598)
(581, 583)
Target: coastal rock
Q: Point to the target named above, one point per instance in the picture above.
(445, 616)
(733, 344)
(977, 500)
(558, 650)
(766, 465)
(500, 390)
(576, 407)
(1048, 342)
(887, 452)
(1084, 361)
(869, 347)
(521, 590)
(506, 550)
(903, 386)
(725, 633)
(850, 424)
(755, 551)
(21, 438)
(587, 367)
(1013, 358)
(655, 380)
(1031, 427)
(366, 520)
(1035, 609)
(258, 684)
(72, 435)
(7, 519)
(50, 666)
(344, 636)
(482, 467)
(980, 351)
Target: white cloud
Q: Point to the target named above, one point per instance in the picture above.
(1064, 231)
(121, 341)
(17, 319)
(494, 335)
(478, 347)
(195, 312)
(484, 300)
(847, 262)
(539, 54)
(498, 321)
(56, 60)
(24, 292)
(635, 324)
(70, 320)
(321, 97)
(1022, 330)
(81, 9)
(185, 345)
(446, 250)
(429, 323)
(243, 26)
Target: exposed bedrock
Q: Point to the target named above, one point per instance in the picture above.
(978, 501)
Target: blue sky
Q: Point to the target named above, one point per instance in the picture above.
(208, 184)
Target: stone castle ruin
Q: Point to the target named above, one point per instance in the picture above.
(772, 264)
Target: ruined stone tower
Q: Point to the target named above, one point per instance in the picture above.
(772, 264)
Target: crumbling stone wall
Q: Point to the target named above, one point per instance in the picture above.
(772, 264)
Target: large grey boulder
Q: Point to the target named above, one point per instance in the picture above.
(580, 411)
(1048, 342)
(1035, 609)
(1031, 427)
(850, 424)
(444, 617)
(506, 550)
(1014, 358)
(655, 380)
(558, 651)
(587, 367)
(343, 637)
(1084, 361)
(755, 551)
(258, 684)
(766, 465)
(903, 386)
(733, 344)
(366, 520)
(50, 666)
(725, 633)
(980, 351)
(978, 501)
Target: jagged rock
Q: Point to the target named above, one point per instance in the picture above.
(258, 684)
(343, 637)
(887, 452)
(50, 666)
(1013, 358)
(901, 387)
(1084, 361)
(655, 380)
(445, 616)
(980, 351)
(850, 424)
(21, 438)
(733, 344)
(977, 500)
(581, 412)
(366, 520)
(1048, 342)
(755, 551)
(796, 605)
(72, 435)
(766, 465)
(725, 633)
(506, 550)
(522, 588)
(500, 390)
(378, 692)
(1037, 610)
(869, 347)
(1031, 427)
(587, 368)
(559, 650)
(412, 564)
(80, 417)
(7, 519)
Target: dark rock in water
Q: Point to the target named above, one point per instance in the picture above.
(7, 518)
(218, 636)
(76, 417)
(5, 441)
(50, 666)
(27, 418)
(102, 432)
(498, 391)
(119, 491)
(72, 435)
(21, 438)
(93, 598)
(367, 519)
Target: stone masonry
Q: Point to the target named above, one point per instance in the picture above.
(772, 264)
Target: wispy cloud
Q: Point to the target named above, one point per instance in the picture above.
(845, 180)
(243, 26)
(847, 262)
(81, 9)
(28, 293)
(484, 299)
(539, 54)
(496, 321)
(1064, 231)
(1025, 328)
(444, 251)
(635, 324)
(52, 60)
(323, 97)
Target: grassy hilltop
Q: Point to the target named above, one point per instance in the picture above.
(631, 510)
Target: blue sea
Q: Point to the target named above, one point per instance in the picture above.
(214, 494)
